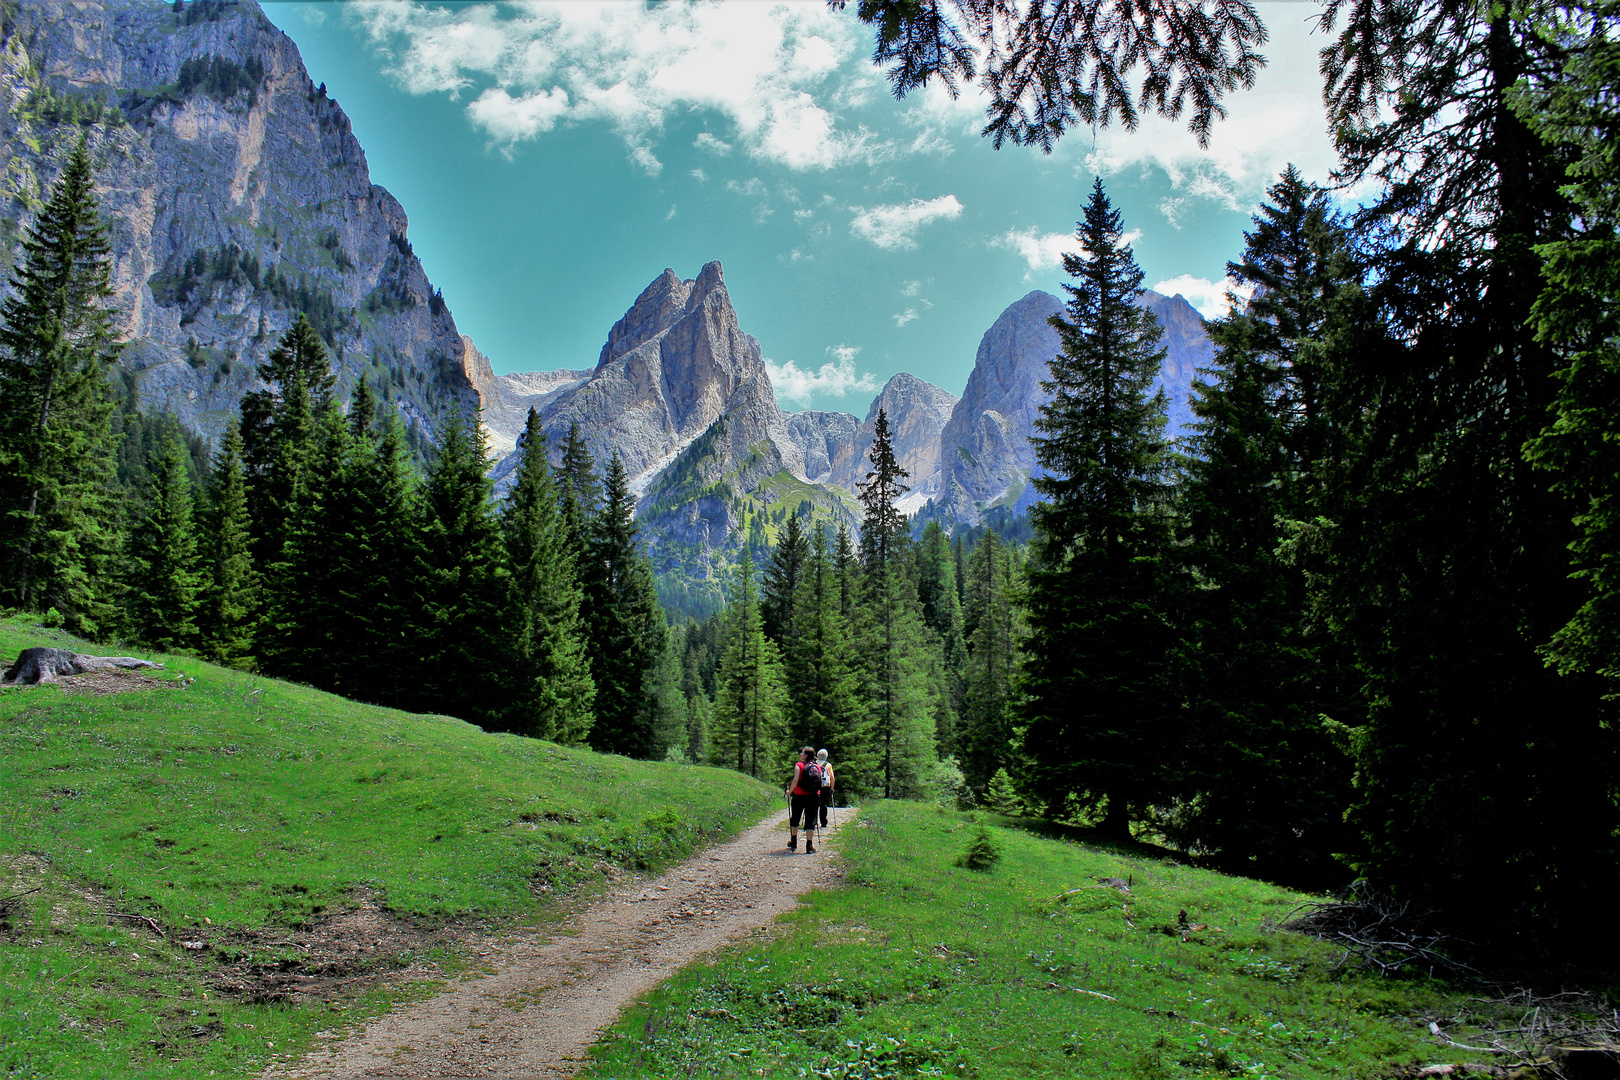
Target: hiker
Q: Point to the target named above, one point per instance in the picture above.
(804, 793)
(827, 781)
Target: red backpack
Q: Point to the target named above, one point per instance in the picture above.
(810, 778)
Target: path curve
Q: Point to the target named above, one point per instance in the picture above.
(552, 996)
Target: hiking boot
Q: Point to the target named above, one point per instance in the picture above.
(809, 848)
(793, 843)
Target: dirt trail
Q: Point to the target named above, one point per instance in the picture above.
(551, 996)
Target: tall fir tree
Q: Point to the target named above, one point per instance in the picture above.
(57, 521)
(1102, 705)
(625, 624)
(466, 584)
(747, 732)
(230, 580)
(822, 682)
(890, 631)
(781, 582)
(164, 586)
(390, 633)
(941, 601)
(990, 674)
(1267, 785)
(1484, 777)
(279, 431)
(581, 493)
(551, 693)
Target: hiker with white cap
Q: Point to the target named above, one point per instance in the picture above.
(827, 779)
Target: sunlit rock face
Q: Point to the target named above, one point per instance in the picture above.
(986, 457)
(236, 197)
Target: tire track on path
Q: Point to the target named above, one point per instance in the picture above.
(552, 995)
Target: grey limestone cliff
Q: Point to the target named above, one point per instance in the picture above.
(238, 198)
(986, 457)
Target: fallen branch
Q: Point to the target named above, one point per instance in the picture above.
(139, 918)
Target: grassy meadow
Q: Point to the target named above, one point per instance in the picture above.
(237, 811)
(923, 968)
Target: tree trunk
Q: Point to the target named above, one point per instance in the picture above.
(39, 665)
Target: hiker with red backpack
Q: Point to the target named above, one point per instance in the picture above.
(804, 794)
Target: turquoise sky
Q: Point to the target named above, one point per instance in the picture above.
(555, 158)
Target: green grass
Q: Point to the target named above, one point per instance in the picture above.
(240, 803)
(921, 967)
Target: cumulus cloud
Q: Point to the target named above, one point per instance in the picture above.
(894, 227)
(835, 378)
(1280, 121)
(1209, 297)
(713, 145)
(905, 316)
(1045, 251)
(766, 68)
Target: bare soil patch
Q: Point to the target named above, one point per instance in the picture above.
(548, 994)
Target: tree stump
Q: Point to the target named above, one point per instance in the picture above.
(39, 665)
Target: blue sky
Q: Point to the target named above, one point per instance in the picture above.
(555, 158)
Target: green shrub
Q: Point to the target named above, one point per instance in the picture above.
(982, 854)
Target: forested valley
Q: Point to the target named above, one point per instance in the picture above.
(1359, 627)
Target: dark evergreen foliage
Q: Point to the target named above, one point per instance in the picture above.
(1102, 707)
(57, 520)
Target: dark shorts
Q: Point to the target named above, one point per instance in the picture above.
(803, 806)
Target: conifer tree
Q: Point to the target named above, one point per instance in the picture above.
(781, 582)
(941, 601)
(1268, 788)
(390, 633)
(230, 580)
(1102, 704)
(890, 631)
(581, 494)
(310, 608)
(882, 524)
(988, 700)
(551, 693)
(164, 585)
(279, 431)
(57, 524)
(847, 571)
(822, 683)
(466, 584)
(747, 731)
(625, 624)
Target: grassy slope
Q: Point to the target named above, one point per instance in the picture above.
(922, 968)
(239, 803)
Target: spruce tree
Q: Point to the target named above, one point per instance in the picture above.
(822, 682)
(1267, 786)
(279, 430)
(890, 631)
(624, 622)
(747, 732)
(580, 492)
(230, 580)
(164, 585)
(394, 584)
(466, 583)
(57, 523)
(988, 700)
(1102, 705)
(782, 579)
(551, 693)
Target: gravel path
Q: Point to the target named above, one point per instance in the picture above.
(550, 997)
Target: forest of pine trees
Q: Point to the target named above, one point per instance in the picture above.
(1360, 624)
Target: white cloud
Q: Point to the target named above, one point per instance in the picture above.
(1045, 251)
(891, 227)
(713, 145)
(1209, 297)
(835, 378)
(914, 288)
(670, 214)
(767, 69)
(700, 176)
(905, 316)
(1280, 121)
(753, 187)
